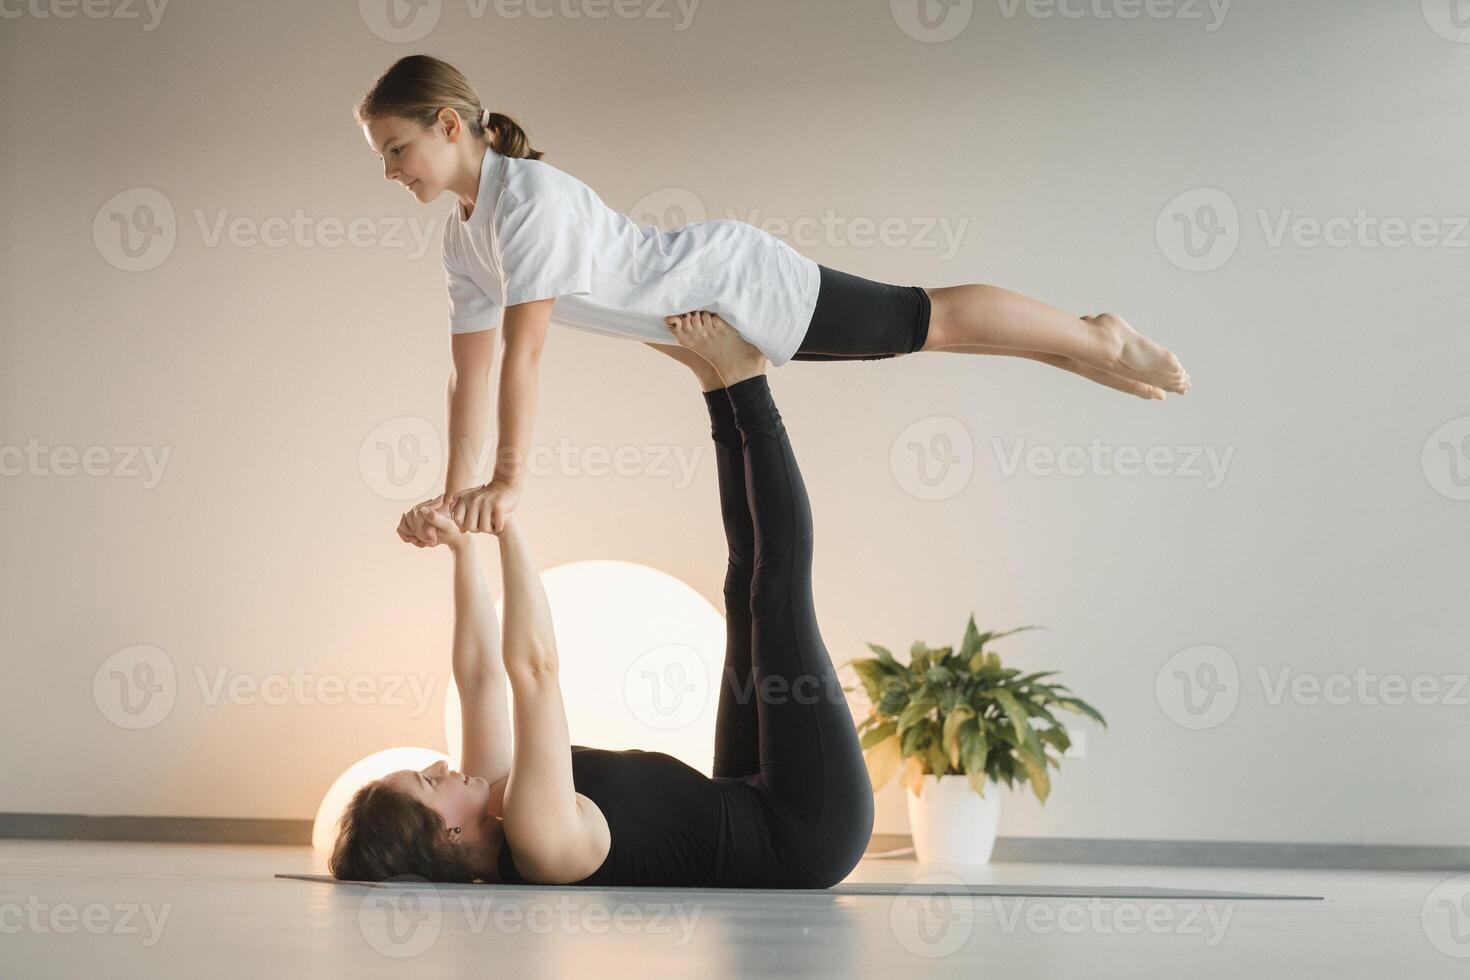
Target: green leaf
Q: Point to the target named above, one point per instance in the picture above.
(939, 676)
(914, 711)
(1078, 705)
(893, 700)
(876, 735)
(912, 739)
(974, 749)
(937, 761)
(971, 642)
(885, 658)
(952, 722)
(1032, 678)
(1036, 772)
(872, 674)
(1014, 711)
(1057, 737)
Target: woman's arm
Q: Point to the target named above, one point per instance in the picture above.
(486, 508)
(553, 829)
(476, 662)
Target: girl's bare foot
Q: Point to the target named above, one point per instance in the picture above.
(1126, 385)
(1133, 355)
(711, 337)
(709, 378)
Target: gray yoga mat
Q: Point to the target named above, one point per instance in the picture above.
(891, 888)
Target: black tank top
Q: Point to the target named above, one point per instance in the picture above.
(670, 824)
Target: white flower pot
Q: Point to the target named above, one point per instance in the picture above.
(951, 823)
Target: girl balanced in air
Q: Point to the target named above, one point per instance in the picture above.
(528, 244)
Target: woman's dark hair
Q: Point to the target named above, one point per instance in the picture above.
(385, 833)
(419, 85)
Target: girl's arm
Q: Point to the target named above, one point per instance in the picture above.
(469, 409)
(553, 829)
(487, 507)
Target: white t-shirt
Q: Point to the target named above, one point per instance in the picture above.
(537, 232)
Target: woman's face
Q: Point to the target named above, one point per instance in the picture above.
(463, 801)
(420, 159)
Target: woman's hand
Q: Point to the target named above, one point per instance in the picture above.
(485, 508)
(417, 529)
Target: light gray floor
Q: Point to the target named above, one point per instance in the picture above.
(163, 910)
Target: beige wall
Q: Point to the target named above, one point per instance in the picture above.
(1330, 534)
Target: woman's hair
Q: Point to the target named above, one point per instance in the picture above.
(419, 85)
(385, 833)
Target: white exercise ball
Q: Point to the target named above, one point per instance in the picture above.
(640, 653)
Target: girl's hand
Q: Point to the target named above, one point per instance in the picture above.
(438, 521)
(486, 508)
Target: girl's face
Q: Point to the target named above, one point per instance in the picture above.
(420, 159)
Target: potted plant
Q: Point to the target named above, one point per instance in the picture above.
(960, 714)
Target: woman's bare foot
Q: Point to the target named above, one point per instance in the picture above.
(709, 378)
(1133, 355)
(711, 337)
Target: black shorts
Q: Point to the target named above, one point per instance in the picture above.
(859, 319)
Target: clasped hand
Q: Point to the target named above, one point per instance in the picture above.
(447, 518)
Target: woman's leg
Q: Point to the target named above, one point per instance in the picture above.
(810, 756)
(737, 732)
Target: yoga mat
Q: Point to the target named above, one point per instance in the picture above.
(886, 888)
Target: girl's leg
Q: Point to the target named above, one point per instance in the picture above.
(987, 316)
(1126, 385)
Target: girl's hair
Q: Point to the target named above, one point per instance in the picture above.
(385, 833)
(419, 85)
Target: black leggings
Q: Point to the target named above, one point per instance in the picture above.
(857, 319)
(783, 725)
